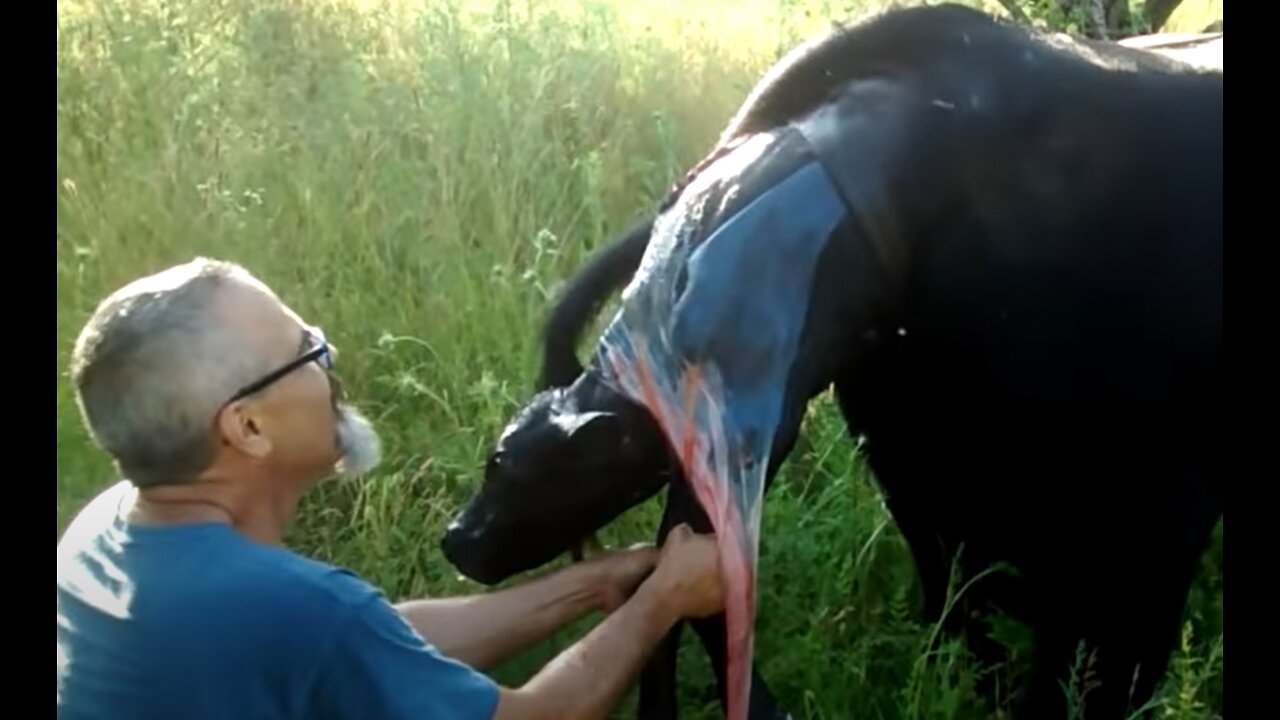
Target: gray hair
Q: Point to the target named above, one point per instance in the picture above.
(154, 364)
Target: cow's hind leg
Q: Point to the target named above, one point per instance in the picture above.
(904, 485)
(1127, 610)
(985, 588)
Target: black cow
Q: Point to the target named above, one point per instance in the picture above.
(1022, 315)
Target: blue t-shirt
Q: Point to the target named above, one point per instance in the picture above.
(197, 621)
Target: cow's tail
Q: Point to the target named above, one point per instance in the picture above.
(605, 273)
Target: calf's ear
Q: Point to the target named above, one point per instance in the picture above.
(591, 434)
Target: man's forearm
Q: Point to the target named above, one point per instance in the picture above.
(587, 680)
(483, 630)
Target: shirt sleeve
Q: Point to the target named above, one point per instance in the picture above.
(379, 667)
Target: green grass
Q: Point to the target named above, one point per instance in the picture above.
(418, 178)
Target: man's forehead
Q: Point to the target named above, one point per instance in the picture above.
(294, 316)
(263, 317)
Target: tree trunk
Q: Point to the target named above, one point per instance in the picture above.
(1157, 12)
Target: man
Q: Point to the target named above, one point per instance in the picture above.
(176, 599)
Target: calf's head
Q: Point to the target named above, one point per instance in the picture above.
(571, 461)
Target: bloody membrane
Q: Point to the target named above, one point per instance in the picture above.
(707, 333)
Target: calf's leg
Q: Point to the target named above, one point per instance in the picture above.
(658, 680)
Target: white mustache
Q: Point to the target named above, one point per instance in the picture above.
(359, 447)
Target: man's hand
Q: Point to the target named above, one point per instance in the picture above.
(586, 681)
(483, 630)
(618, 573)
(688, 574)
(688, 569)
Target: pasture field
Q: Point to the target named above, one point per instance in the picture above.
(418, 178)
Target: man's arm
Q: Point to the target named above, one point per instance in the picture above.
(483, 630)
(587, 680)
(375, 665)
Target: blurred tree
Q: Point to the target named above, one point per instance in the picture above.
(1100, 19)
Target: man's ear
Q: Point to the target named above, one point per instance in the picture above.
(241, 428)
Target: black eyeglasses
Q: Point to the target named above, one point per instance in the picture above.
(318, 350)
